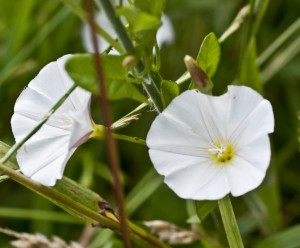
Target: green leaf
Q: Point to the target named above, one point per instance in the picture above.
(81, 69)
(144, 19)
(139, 20)
(169, 90)
(288, 238)
(142, 191)
(209, 54)
(204, 208)
(68, 188)
(150, 6)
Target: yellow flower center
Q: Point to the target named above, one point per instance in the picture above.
(222, 153)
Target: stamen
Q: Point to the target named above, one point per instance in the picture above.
(221, 153)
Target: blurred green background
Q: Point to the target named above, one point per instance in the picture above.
(34, 33)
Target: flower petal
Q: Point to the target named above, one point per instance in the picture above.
(170, 135)
(243, 177)
(190, 120)
(165, 34)
(81, 128)
(168, 162)
(44, 156)
(199, 182)
(250, 116)
(103, 21)
(257, 153)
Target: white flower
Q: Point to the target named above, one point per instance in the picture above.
(207, 146)
(165, 34)
(44, 156)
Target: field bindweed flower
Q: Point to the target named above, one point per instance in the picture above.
(44, 156)
(208, 146)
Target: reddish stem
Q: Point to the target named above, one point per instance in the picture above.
(110, 142)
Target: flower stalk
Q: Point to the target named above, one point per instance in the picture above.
(230, 224)
(99, 134)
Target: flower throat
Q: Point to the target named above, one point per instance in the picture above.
(222, 153)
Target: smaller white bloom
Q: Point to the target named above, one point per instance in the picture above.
(44, 156)
(208, 146)
(165, 34)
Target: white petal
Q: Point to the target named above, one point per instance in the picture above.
(243, 176)
(192, 119)
(168, 162)
(55, 169)
(51, 83)
(191, 177)
(198, 182)
(249, 115)
(170, 135)
(44, 156)
(257, 153)
(165, 34)
(81, 128)
(103, 21)
(47, 147)
(216, 188)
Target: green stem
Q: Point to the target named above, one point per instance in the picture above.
(129, 138)
(18, 145)
(117, 24)
(79, 11)
(139, 236)
(230, 224)
(150, 85)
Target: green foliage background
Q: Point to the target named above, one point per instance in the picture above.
(33, 33)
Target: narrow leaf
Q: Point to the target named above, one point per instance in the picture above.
(204, 208)
(289, 238)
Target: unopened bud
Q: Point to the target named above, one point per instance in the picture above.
(129, 62)
(125, 121)
(199, 77)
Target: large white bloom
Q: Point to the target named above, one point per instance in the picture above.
(165, 34)
(207, 146)
(44, 156)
